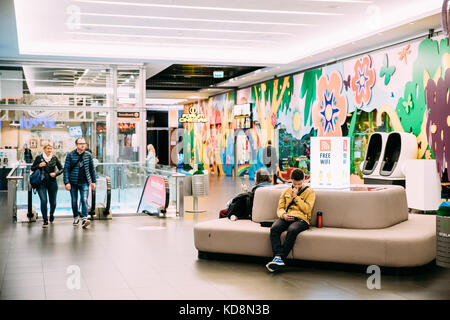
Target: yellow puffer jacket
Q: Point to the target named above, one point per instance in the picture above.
(301, 208)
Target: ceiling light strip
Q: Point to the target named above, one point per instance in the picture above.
(343, 1)
(166, 37)
(162, 44)
(173, 6)
(187, 29)
(94, 14)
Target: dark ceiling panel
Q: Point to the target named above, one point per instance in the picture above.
(194, 77)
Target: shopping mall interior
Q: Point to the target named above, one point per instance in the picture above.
(183, 105)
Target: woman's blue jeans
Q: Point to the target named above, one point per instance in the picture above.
(50, 188)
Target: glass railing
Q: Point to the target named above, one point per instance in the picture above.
(128, 180)
(127, 183)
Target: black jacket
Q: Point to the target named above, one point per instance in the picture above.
(49, 167)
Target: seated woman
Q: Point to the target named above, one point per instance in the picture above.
(262, 179)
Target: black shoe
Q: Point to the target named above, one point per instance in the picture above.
(85, 223)
(45, 225)
(52, 218)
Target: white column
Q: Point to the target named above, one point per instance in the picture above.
(142, 114)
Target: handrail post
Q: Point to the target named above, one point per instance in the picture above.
(12, 205)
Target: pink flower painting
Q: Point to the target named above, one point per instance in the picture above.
(330, 109)
(363, 80)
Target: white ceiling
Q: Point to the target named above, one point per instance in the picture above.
(251, 32)
(284, 35)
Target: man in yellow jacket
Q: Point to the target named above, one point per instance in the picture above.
(294, 212)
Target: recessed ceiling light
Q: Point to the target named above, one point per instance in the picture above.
(123, 3)
(186, 29)
(197, 19)
(166, 37)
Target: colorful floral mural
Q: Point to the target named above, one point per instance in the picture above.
(384, 91)
(438, 122)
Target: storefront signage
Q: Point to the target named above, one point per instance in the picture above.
(330, 162)
(218, 74)
(28, 123)
(134, 115)
(192, 117)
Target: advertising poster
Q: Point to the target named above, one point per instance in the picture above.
(330, 162)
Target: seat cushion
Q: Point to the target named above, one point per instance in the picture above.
(409, 243)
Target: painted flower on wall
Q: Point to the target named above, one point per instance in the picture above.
(330, 108)
(363, 80)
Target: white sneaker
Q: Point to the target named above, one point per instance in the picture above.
(85, 223)
(76, 221)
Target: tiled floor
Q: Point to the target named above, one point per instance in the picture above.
(122, 259)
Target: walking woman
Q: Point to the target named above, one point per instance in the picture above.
(52, 168)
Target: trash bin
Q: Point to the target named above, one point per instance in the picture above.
(200, 185)
(200, 188)
(443, 235)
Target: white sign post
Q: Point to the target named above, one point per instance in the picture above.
(330, 162)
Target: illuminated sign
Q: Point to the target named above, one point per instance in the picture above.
(330, 162)
(35, 122)
(218, 74)
(192, 117)
(128, 115)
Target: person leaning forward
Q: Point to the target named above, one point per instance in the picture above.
(294, 213)
(79, 174)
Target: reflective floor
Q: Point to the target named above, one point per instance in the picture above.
(144, 257)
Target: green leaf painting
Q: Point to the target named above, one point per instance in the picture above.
(411, 106)
(309, 89)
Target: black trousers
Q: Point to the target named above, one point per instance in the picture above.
(293, 229)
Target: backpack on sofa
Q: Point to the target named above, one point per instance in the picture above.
(241, 206)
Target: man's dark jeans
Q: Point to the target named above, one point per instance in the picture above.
(293, 229)
(83, 190)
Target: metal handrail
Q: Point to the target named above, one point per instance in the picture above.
(11, 177)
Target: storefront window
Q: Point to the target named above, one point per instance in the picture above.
(42, 102)
(22, 130)
(40, 85)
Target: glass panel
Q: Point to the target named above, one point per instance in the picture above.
(127, 182)
(72, 86)
(23, 134)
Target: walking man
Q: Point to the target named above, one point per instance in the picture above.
(79, 174)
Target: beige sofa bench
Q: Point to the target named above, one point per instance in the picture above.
(361, 225)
